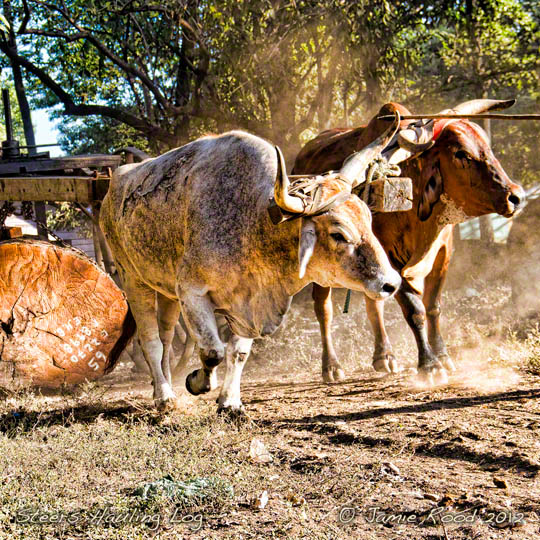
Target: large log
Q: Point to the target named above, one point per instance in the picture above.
(62, 319)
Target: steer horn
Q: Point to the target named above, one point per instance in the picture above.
(479, 106)
(407, 139)
(419, 136)
(283, 199)
(354, 167)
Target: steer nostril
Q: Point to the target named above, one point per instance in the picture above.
(514, 199)
(388, 288)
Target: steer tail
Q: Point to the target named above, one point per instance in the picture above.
(128, 331)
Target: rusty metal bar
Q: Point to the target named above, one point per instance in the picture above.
(493, 116)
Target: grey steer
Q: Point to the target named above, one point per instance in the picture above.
(191, 234)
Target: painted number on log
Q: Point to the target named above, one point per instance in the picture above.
(81, 341)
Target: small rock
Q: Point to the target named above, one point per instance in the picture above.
(448, 499)
(431, 497)
(389, 465)
(500, 482)
(258, 452)
(261, 501)
(470, 292)
(295, 499)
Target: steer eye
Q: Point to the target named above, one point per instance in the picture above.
(338, 237)
(462, 155)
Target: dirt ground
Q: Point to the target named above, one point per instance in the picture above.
(373, 457)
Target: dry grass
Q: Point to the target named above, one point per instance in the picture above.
(77, 456)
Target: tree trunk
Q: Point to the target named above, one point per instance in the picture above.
(487, 235)
(24, 107)
(62, 319)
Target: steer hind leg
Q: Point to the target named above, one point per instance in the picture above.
(383, 357)
(331, 368)
(137, 356)
(429, 367)
(198, 313)
(434, 283)
(187, 346)
(168, 313)
(142, 301)
(237, 353)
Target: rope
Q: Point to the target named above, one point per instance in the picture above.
(53, 234)
(378, 168)
(308, 190)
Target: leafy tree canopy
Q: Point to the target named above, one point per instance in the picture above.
(162, 73)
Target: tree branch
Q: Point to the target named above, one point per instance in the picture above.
(105, 51)
(84, 110)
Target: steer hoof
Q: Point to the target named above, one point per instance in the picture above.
(236, 414)
(333, 373)
(433, 375)
(197, 390)
(165, 405)
(385, 364)
(447, 362)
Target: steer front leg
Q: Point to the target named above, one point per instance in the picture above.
(383, 357)
(198, 313)
(429, 367)
(237, 353)
(434, 283)
(324, 310)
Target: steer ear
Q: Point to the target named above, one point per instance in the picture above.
(306, 246)
(431, 194)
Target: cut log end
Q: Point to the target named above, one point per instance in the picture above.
(62, 319)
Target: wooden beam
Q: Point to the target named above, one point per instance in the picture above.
(49, 188)
(8, 233)
(492, 116)
(27, 165)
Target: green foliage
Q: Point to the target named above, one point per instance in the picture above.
(4, 24)
(67, 217)
(95, 135)
(158, 74)
(18, 132)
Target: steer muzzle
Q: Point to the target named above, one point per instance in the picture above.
(513, 201)
(383, 286)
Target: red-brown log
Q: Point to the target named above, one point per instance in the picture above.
(63, 320)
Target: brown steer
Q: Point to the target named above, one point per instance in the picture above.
(457, 178)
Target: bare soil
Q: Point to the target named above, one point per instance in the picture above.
(373, 457)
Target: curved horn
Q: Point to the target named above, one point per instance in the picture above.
(408, 140)
(281, 188)
(478, 106)
(355, 165)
